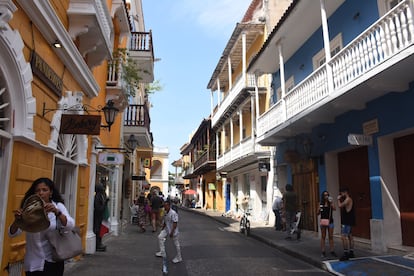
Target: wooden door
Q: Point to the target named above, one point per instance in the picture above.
(354, 173)
(305, 185)
(404, 159)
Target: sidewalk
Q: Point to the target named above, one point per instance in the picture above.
(308, 250)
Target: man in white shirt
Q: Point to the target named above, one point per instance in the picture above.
(169, 228)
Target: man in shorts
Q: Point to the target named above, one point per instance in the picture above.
(346, 205)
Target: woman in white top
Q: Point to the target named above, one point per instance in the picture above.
(38, 259)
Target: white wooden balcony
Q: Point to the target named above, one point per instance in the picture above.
(245, 151)
(242, 88)
(376, 62)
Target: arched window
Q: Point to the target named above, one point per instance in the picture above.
(156, 170)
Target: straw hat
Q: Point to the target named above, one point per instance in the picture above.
(34, 217)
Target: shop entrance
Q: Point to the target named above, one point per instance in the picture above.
(404, 159)
(65, 175)
(304, 175)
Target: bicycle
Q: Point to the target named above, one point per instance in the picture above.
(245, 223)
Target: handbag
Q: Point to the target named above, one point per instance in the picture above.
(147, 208)
(326, 222)
(66, 243)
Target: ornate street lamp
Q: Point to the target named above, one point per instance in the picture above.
(132, 142)
(110, 112)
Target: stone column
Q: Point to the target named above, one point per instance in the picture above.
(90, 247)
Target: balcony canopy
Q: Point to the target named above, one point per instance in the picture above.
(90, 23)
(234, 51)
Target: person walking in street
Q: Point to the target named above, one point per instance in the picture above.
(290, 206)
(169, 229)
(156, 205)
(326, 207)
(38, 258)
(346, 204)
(99, 204)
(142, 216)
(277, 210)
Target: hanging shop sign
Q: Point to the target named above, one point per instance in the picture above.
(360, 140)
(212, 186)
(43, 71)
(138, 177)
(110, 158)
(80, 124)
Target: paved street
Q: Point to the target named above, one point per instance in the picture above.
(208, 248)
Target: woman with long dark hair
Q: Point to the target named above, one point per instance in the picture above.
(326, 207)
(38, 258)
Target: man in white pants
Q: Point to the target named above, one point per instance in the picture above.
(169, 228)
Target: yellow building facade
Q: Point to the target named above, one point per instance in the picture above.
(51, 65)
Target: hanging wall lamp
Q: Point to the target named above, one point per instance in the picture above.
(57, 44)
(109, 110)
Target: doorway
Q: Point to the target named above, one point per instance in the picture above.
(404, 159)
(353, 170)
(65, 176)
(304, 180)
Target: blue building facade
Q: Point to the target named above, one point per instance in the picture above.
(340, 113)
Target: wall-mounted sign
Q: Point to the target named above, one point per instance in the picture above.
(110, 158)
(360, 140)
(370, 127)
(80, 124)
(146, 163)
(43, 71)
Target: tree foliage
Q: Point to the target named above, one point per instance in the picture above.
(131, 74)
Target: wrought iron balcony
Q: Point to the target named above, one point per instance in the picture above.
(137, 121)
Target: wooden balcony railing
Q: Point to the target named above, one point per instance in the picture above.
(205, 157)
(137, 115)
(141, 41)
(386, 38)
(114, 72)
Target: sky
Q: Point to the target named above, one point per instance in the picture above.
(189, 37)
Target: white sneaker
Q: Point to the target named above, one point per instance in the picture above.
(177, 260)
(158, 254)
(164, 269)
(164, 266)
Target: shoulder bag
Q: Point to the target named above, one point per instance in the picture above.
(66, 243)
(326, 222)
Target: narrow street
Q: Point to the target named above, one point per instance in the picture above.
(208, 248)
